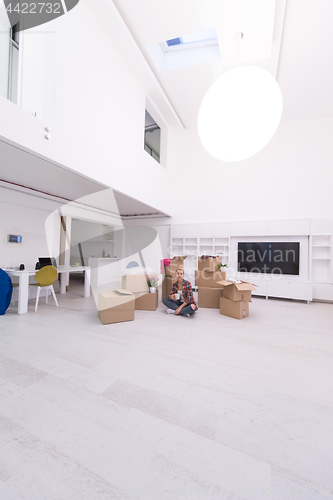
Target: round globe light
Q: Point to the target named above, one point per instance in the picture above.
(240, 113)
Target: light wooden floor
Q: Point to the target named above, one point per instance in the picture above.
(166, 407)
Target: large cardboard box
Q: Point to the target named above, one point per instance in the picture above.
(167, 286)
(135, 283)
(209, 264)
(116, 306)
(146, 301)
(237, 310)
(237, 291)
(174, 264)
(208, 279)
(209, 297)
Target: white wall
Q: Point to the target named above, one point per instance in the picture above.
(162, 243)
(291, 178)
(80, 86)
(37, 219)
(95, 239)
(25, 215)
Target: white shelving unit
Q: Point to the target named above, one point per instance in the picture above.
(194, 240)
(316, 236)
(190, 246)
(177, 247)
(186, 246)
(206, 246)
(215, 246)
(201, 246)
(321, 257)
(321, 265)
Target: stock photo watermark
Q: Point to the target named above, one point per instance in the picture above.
(25, 15)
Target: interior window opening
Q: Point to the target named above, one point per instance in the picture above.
(152, 142)
(13, 84)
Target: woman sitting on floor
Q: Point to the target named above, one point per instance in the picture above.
(180, 300)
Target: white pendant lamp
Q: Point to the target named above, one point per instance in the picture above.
(240, 113)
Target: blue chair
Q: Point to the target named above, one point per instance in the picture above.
(6, 290)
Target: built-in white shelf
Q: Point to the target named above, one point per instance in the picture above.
(201, 246)
(193, 240)
(321, 262)
(316, 277)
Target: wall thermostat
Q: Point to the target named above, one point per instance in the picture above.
(14, 238)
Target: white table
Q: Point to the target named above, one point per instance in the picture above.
(23, 294)
(64, 271)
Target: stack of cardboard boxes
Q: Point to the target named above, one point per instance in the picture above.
(214, 291)
(232, 297)
(116, 306)
(207, 278)
(236, 298)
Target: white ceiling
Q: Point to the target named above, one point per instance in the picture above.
(292, 39)
(306, 64)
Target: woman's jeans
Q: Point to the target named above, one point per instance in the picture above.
(174, 304)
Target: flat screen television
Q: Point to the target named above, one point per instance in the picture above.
(269, 258)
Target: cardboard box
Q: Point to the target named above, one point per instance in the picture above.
(208, 279)
(209, 297)
(167, 286)
(135, 283)
(209, 264)
(174, 264)
(237, 310)
(237, 291)
(146, 301)
(116, 306)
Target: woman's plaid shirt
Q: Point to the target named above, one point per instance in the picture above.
(187, 292)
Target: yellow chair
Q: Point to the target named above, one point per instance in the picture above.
(45, 277)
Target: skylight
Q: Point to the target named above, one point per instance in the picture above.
(174, 41)
(185, 51)
(194, 40)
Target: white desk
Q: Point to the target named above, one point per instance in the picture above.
(62, 270)
(23, 294)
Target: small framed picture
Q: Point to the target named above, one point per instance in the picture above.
(14, 238)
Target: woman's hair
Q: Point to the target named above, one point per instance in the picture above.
(180, 268)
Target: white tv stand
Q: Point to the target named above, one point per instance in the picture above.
(272, 287)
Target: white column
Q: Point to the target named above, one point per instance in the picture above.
(67, 250)
(87, 282)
